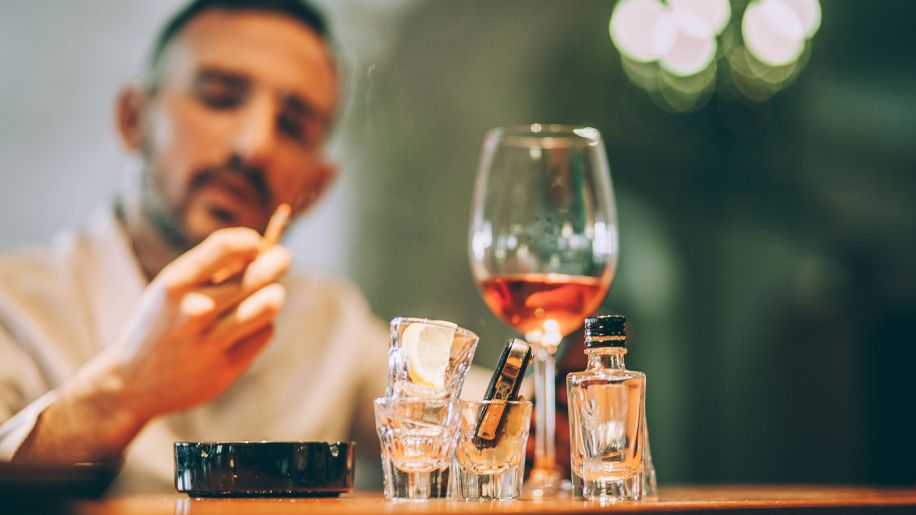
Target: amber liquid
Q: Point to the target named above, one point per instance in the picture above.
(527, 301)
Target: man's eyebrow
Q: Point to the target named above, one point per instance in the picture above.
(229, 78)
(295, 104)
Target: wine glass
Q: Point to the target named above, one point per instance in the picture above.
(543, 250)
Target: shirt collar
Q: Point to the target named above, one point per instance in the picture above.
(114, 279)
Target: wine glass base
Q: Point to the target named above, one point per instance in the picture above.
(544, 483)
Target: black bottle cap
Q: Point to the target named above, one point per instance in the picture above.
(606, 331)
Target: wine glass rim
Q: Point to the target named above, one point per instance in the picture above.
(546, 134)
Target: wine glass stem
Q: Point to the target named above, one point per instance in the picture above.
(545, 458)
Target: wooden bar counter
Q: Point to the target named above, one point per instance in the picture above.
(792, 499)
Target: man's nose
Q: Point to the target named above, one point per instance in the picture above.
(257, 132)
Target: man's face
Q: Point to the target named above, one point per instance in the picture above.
(235, 124)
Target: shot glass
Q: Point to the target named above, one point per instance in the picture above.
(417, 439)
(428, 358)
(489, 460)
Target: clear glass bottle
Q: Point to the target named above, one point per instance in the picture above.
(607, 425)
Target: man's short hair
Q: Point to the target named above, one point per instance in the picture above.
(298, 10)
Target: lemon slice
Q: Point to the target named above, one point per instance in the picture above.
(428, 347)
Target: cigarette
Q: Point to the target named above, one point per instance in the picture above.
(275, 227)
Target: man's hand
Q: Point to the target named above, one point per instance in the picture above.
(191, 339)
(188, 340)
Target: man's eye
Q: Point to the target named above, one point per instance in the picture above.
(220, 99)
(293, 127)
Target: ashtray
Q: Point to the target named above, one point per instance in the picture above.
(264, 469)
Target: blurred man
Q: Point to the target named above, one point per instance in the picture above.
(116, 341)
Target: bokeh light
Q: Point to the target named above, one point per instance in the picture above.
(773, 32)
(642, 30)
(673, 49)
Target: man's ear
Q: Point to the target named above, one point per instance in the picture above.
(130, 110)
(325, 173)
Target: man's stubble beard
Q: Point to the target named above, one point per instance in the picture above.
(166, 220)
(169, 221)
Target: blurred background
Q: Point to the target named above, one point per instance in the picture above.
(764, 164)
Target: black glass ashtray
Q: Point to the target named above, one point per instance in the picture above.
(264, 469)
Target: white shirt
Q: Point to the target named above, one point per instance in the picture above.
(61, 305)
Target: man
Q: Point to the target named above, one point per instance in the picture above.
(116, 341)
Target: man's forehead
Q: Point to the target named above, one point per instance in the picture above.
(272, 49)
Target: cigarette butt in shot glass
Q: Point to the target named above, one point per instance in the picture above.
(275, 227)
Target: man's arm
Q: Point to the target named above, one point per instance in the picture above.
(90, 419)
(187, 342)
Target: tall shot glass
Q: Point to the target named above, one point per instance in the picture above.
(417, 439)
(428, 358)
(489, 460)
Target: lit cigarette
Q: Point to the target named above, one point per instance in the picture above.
(275, 227)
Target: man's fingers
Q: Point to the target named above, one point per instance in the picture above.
(272, 264)
(207, 302)
(248, 316)
(223, 248)
(243, 353)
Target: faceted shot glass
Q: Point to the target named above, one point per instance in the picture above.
(417, 438)
(411, 374)
(489, 460)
